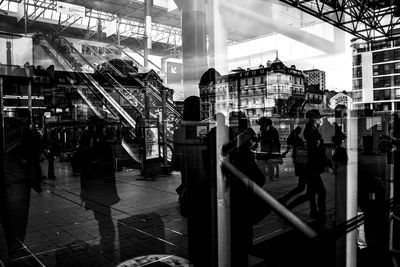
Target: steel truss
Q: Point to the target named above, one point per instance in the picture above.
(366, 19)
(129, 27)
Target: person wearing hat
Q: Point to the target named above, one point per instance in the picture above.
(269, 142)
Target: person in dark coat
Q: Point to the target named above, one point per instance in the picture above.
(269, 142)
(98, 186)
(315, 166)
(246, 208)
(295, 142)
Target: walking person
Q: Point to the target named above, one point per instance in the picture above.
(314, 167)
(269, 142)
(299, 156)
(327, 131)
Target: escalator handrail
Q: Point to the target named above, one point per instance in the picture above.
(134, 60)
(50, 47)
(112, 78)
(154, 91)
(125, 90)
(99, 88)
(106, 62)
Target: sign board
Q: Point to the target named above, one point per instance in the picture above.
(111, 27)
(70, 9)
(152, 149)
(341, 99)
(174, 72)
(20, 11)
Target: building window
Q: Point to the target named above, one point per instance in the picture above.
(357, 72)
(246, 82)
(378, 45)
(357, 84)
(382, 95)
(262, 80)
(357, 96)
(397, 92)
(385, 56)
(382, 82)
(356, 60)
(397, 80)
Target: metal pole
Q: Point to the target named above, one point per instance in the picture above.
(164, 124)
(30, 99)
(26, 16)
(118, 32)
(2, 141)
(147, 32)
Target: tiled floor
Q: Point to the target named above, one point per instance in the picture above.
(55, 228)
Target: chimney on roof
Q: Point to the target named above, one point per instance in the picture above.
(293, 67)
(269, 63)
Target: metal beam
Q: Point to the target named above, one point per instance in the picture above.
(363, 19)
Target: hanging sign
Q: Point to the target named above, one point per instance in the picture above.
(70, 9)
(341, 99)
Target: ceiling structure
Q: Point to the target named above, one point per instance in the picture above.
(366, 19)
(245, 20)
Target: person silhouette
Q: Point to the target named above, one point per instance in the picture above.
(246, 208)
(315, 166)
(327, 131)
(296, 143)
(98, 185)
(269, 142)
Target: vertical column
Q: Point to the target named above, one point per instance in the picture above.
(352, 189)
(218, 37)
(147, 32)
(26, 16)
(2, 143)
(164, 93)
(346, 195)
(118, 32)
(30, 100)
(194, 45)
(218, 60)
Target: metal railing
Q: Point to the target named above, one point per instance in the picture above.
(281, 210)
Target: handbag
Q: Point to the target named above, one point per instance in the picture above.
(301, 155)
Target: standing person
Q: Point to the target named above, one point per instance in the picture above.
(327, 131)
(98, 185)
(270, 143)
(315, 166)
(246, 208)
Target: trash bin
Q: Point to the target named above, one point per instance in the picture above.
(368, 144)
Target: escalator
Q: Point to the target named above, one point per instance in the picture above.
(96, 91)
(154, 97)
(129, 150)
